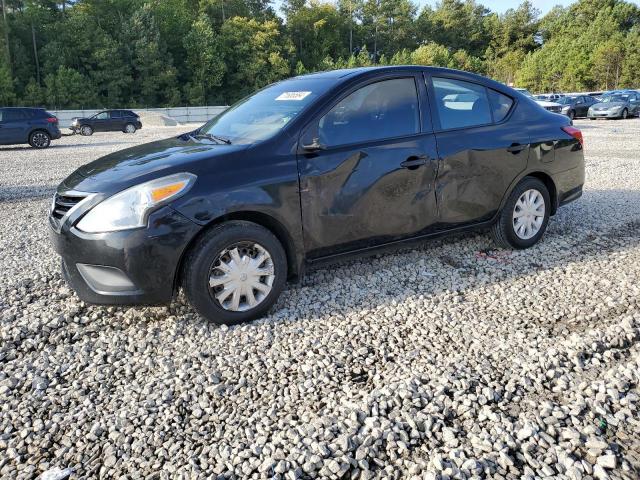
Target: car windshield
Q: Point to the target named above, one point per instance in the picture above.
(566, 100)
(615, 98)
(263, 114)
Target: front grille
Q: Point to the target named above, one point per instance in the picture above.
(62, 204)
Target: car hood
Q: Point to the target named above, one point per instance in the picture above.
(122, 169)
(608, 105)
(544, 103)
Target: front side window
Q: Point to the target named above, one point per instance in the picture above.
(384, 109)
(461, 104)
(102, 116)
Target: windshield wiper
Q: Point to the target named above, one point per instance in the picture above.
(215, 138)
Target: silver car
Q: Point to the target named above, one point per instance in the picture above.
(617, 105)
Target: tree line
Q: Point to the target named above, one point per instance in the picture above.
(151, 53)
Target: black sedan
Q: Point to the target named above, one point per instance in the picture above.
(307, 171)
(574, 106)
(108, 121)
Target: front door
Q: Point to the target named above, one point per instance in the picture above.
(101, 122)
(480, 153)
(368, 168)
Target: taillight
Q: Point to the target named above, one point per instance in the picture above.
(575, 133)
(52, 120)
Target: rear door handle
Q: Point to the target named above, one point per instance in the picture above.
(414, 162)
(516, 147)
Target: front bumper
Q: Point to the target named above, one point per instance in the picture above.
(604, 114)
(141, 264)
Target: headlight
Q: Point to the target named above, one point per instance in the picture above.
(130, 208)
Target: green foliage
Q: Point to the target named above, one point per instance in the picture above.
(7, 95)
(130, 53)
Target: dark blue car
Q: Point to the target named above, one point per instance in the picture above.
(34, 126)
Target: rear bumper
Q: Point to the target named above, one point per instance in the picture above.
(134, 267)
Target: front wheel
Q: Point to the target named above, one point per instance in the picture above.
(625, 114)
(234, 273)
(39, 139)
(525, 216)
(571, 115)
(86, 130)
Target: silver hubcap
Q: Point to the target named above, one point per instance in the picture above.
(40, 140)
(130, 129)
(242, 276)
(528, 214)
(86, 131)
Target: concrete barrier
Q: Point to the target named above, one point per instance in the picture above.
(179, 114)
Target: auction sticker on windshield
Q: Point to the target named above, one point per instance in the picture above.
(292, 95)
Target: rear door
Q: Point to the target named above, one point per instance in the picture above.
(14, 127)
(480, 151)
(368, 171)
(117, 121)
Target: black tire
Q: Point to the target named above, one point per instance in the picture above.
(571, 115)
(591, 118)
(86, 130)
(503, 231)
(199, 263)
(129, 128)
(39, 139)
(625, 114)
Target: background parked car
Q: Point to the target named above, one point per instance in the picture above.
(617, 105)
(550, 106)
(549, 97)
(34, 126)
(107, 121)
(576, 105)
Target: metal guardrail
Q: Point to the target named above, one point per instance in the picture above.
(179, 114)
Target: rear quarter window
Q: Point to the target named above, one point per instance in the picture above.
(500, 105)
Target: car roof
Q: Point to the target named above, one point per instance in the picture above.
(346, 74)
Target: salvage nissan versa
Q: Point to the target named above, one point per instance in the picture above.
(309, 170)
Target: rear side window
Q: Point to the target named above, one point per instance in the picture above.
(116, 114)
(14, 115)
(500, 105)
(461, 104)
(379, 110)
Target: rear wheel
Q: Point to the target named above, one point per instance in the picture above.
(39, 139)
(129, 128)
(86, 130)
(234, 273)
(525, 216)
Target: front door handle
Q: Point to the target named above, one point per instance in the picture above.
(516, 147)
(414, 162)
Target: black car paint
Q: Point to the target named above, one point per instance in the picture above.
(328, 203)
(16, 132)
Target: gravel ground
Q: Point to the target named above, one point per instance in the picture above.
(452, 360)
